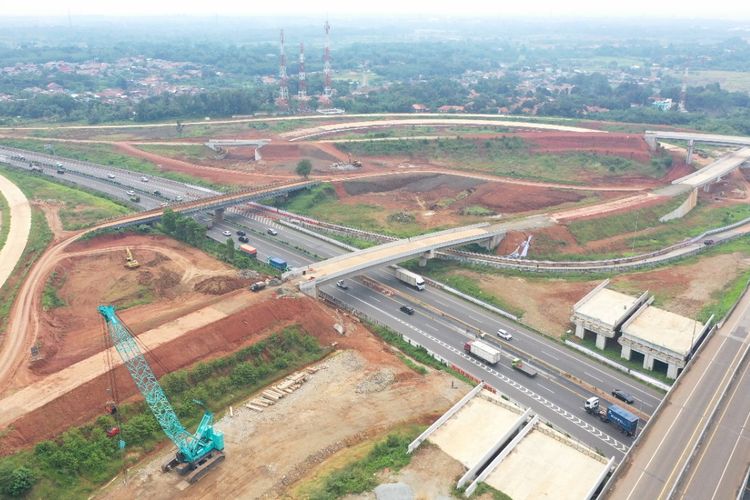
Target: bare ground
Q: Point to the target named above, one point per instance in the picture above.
(268, 452)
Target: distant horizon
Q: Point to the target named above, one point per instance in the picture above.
(722, 10)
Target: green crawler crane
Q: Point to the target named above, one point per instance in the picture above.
(196, 453)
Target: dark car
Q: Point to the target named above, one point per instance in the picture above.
(708, 243)
(244, 239)
(241, 233)
(623, 396)
(407, 309)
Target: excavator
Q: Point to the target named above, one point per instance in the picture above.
(197, 453)
(130, 261)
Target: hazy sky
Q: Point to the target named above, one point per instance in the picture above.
(724, 9)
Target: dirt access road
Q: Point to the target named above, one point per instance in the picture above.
(20, 227)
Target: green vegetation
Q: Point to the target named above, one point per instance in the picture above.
(191, 153)
(80, 208)
(412, 365)
(4, 220)
(478, 211)
(105, 154)
(445, 272)
(304, 167)
(50, 299)
(39, 238)
(83, 458)
(360, 476)
(723, 300)
(507, 156)
(483, 490)
(612, 351)
(320, 202)
(187, 230)
(600, 228)
(658, 235)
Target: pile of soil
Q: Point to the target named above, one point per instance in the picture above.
(219, 285)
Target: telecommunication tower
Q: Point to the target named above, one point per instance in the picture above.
(327, 90)
(302, 90)
(283, 100)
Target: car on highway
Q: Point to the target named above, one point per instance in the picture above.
(130, 193)
(144, 179)
(623, 396)
(504, 334)
(241, 233)
(227, 233)
(110, 176)
(708, 243)
(272, 231)
(342, 284)
(157, 193)
(407, 309)
(244, 239)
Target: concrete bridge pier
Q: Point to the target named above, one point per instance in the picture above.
(691, 147)
(258, 157)
(493, 242)
(218, 215)
(430, 254)
(651, 141)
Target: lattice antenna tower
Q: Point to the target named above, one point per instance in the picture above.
(302, 91)
(283, 78)
(327, 90)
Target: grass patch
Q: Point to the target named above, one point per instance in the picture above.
(587, 230)
(50, 299)
(506, 156)
(39, 237)
(724, 299)
(190, 153)
(104, 154)
(483, 489)
(80, 208)
(612, 351)
(320, 202)
(4, 220)
(79, 461)
(360, 476)
(445, 272)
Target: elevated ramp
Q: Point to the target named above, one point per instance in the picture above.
(716, 170)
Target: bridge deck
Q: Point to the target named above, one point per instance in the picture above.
(719, 168)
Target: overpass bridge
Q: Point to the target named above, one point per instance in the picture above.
(217, 203)
(218, 145)
(652, 139)
(423, 246)
(715, 171)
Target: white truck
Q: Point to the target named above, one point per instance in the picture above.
(483, 351)
(410, 278)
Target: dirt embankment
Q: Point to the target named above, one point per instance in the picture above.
(172, 280)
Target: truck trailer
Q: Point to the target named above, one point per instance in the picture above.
(250, 251)
(410, 278)
(523, 367)
(622, 418)
(483, 351)
(277, 263)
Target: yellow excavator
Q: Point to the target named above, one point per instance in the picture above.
(130, 261)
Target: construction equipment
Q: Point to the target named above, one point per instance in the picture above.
(196, 453)
(130, 261)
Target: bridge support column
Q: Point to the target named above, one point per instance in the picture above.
(625, 352)
(258, 157)
(580, 331)
(651, 141)
(672, 371)
(492, 243)
(218, 215)
(601, 341)
(648, 362)
(691, 146)
(425, 257)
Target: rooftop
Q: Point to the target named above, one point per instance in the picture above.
(664, 329)
(606, 306)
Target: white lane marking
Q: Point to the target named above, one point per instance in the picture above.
(595, 378)
(507, 380)
(547, 389)
(431, 327)
(552, 356)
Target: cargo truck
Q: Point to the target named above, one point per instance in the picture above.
(483, 351)
(522, 367)
(410, 278)
(622, 418)
(277, 263)
(249, 251)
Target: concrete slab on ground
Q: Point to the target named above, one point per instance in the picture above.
(664, 329)
(470, 433)
(546, 464)
(606, 306)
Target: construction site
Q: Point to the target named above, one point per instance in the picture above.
(275, 372)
